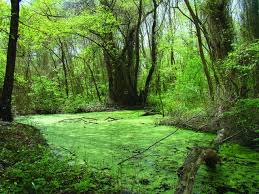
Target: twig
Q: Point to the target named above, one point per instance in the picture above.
(148, 148)
(230, 137)
(84, 119)
(112, 119)
(89, 118)
(72, 153)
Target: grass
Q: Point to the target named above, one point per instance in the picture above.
(101, 140)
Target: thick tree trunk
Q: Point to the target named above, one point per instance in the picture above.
(250, 17)
(6, 106)
(250, 32)
(220, 28)
(121, 91)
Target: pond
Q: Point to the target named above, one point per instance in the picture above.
(103, 139)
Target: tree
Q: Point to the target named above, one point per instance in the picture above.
(250, 19)
(6, 102)
(153, 52)
(119, 56)
(220, 27)
(220, 37)
(250, 30)
(198, 27)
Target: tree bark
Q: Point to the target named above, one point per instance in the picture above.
(250, 17)
(137, 45)
(64, 66)
(196, 157)
(122, 62)
(6, 106)
(220, 28)
(153, 53)
(187, 172)
(121, 92)
(200, 47)
(94, 81)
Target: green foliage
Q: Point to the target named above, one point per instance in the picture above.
(183, 90)
(79, 104)
(46, 96)
(244, 58)
(244, 116)
(190, 86)
(242, 67)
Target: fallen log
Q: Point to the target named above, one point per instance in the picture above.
(187, 172)
(196, 157)
(150, 113)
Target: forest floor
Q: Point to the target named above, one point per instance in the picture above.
(101, 140)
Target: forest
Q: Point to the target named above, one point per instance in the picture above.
(129, 96)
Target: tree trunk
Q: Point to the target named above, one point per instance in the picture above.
(153, 53)
(94, 80)
(137, 45)
(121, 91)
(250, 24)
(187, 172)
(64, 66)
(256, 88)
(250, 17)
(220, 28)
(122, 63)
(200, 46)
(6, 106)
(196, 157)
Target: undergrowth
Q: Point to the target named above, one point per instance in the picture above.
(28, 165)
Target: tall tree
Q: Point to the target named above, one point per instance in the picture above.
(250, 19)
(250, 33)
(153, 52)
(122, 57)
(220, 27)
(6, 101)
(220, 37)
(197, 24)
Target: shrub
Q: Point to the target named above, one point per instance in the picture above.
(45, 95)
(243, 118)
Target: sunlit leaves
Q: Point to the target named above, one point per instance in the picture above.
(244, 59)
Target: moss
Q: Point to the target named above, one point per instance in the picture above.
(104, 139)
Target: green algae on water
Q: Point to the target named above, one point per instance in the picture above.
(103, 139)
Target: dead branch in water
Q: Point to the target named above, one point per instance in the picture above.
(148, 148)
(110, 119)
(86, 120)
(196, 157)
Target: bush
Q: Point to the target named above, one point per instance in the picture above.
(243, 118)
(241, 66)
(45, 96)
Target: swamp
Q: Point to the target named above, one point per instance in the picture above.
(129, 96)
